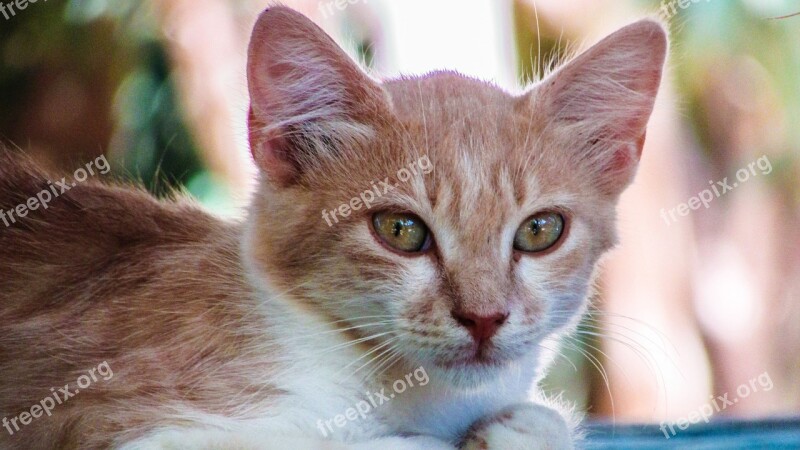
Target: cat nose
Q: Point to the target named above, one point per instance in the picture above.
(482, 328)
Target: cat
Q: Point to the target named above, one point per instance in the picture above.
(417, 320)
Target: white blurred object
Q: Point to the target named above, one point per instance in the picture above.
(470, 37)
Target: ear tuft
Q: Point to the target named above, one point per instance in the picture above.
(308, 98)
(603, 99)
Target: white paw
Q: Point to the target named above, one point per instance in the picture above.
(220, 440)
(407, 443)
(521, 427)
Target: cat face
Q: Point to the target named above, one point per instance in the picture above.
(438, 219)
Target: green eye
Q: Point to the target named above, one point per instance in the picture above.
(539, 232)
(401, 231)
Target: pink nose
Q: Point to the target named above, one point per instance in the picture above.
(482, 328)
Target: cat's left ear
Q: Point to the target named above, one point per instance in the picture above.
(308, 100)
(600, 102)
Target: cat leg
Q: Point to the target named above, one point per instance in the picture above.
(526, 426)
(223, 440)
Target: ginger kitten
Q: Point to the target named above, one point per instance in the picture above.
(414, 323)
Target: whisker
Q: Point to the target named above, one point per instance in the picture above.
(375, 349)
(372, 360)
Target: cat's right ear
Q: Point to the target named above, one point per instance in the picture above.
(601, 101)
(308, 99)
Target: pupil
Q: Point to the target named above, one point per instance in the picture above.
(397, 228)
(536, 227)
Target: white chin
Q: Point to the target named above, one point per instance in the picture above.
(469, 376)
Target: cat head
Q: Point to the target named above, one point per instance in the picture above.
(446, 222)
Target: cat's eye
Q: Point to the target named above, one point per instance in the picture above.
(539, 232)
(404, 232)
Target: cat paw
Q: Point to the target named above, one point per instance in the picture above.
(521, 427)
(408, 443)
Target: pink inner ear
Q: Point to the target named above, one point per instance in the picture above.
(271, 153)
(640, 145)
(621, 165)
(623, 158)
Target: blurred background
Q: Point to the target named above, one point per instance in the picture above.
(686, 309)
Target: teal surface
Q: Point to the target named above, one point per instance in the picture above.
(763, 434)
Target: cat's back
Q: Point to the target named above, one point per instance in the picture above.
(110, 274)
(57, 233)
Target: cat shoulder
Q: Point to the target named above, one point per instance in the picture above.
(51, 224)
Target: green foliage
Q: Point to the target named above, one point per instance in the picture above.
(112, 50)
